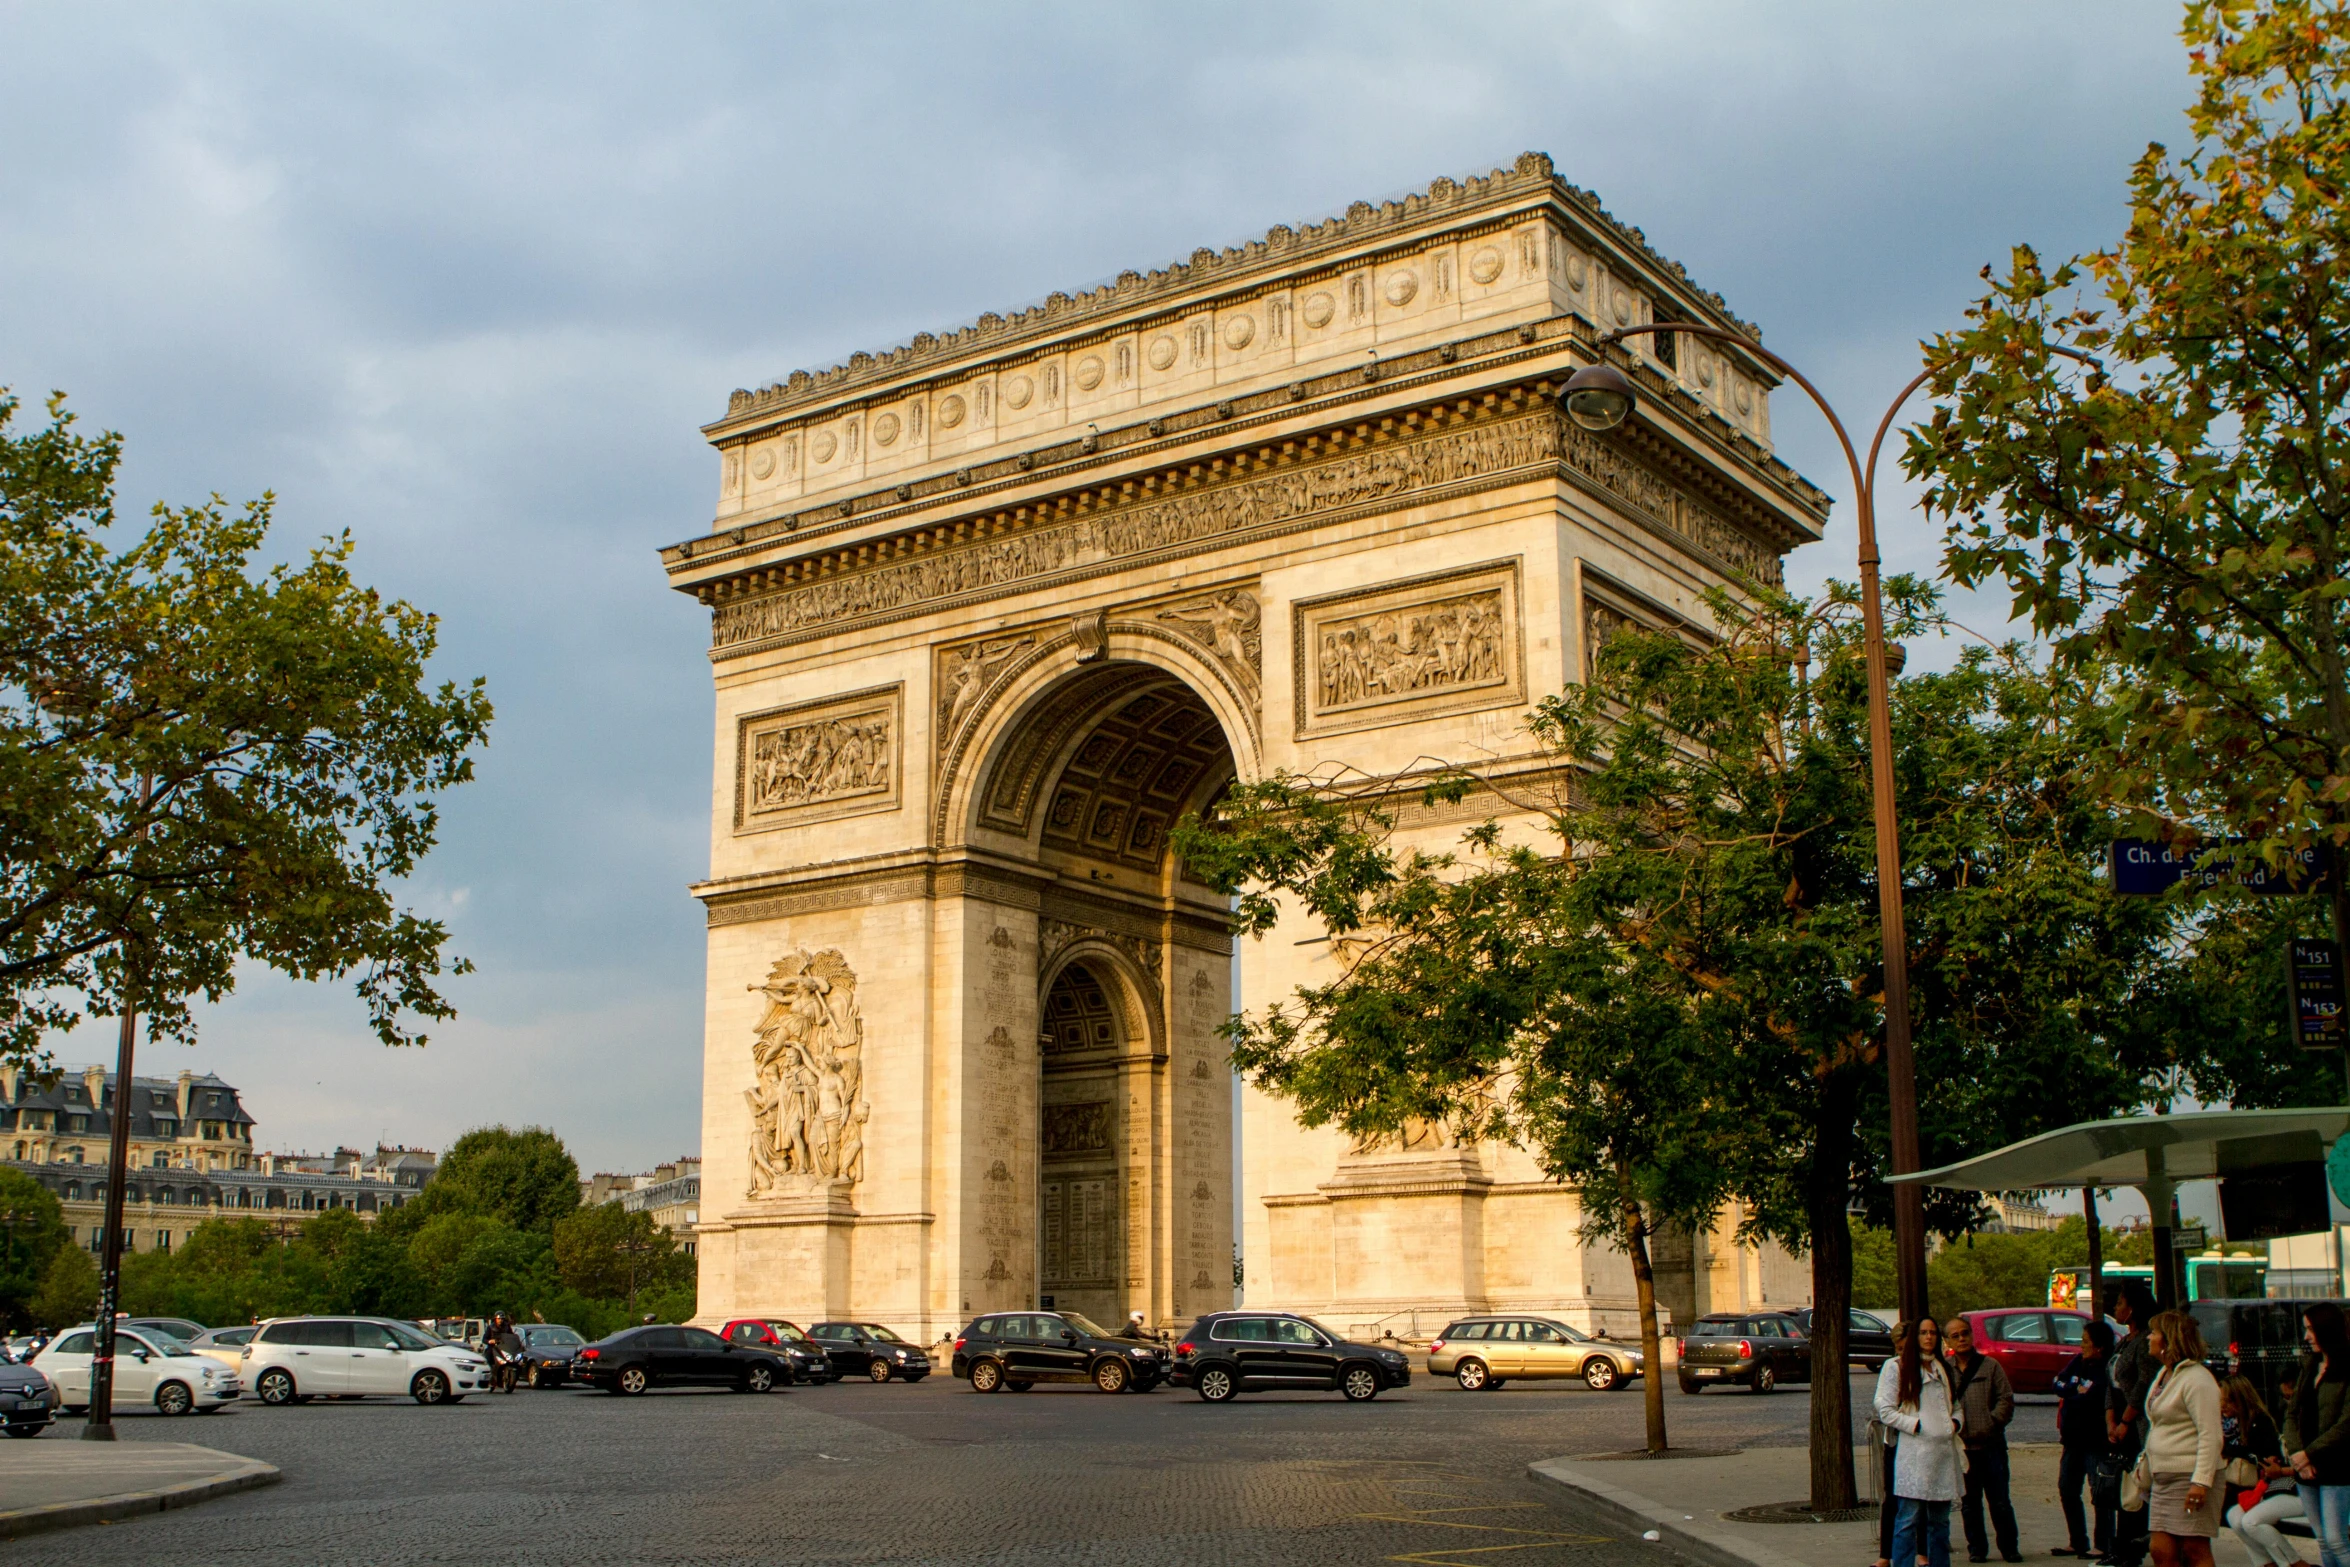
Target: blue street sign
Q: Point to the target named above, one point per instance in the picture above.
(2144, 868)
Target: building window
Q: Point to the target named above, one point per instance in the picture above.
(163, 1195)
(161, 1161)
(75, 1154)
(163, 1240)
(73, 1191)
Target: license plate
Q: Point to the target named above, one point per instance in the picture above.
(1705, 1371)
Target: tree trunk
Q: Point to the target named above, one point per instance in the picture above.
(1652, 1380)
(1826, 1197)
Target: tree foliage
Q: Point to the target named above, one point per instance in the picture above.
(2176, 514)
(612, 1253)
(32, 1232)
(524, 1179)
(203, 761)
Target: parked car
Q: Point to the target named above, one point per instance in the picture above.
(226, 1345)
(28, 1400)
(292, 1360)
(809, 1362)
(1018, 1349)
(2032, 1344)
(1485, 1352)
(1868, 1339)
(149, 1368)
(2259, 1339)
(867, 1349)
(1228, 1352)
(1759, 1349)
(547, 1348)
(178, 1327)
(664, 1355)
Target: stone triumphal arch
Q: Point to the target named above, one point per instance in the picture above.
(991, 611)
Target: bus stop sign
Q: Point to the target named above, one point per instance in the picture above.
(2316, 983)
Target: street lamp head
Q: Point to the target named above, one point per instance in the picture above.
(1599, 397)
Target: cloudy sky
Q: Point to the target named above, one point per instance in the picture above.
(465, 280)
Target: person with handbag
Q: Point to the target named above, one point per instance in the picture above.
(2180, 1467)
(2317, 1429)
(1913, 1401)
(1985, 1401)
(2261, 1492)
(2080, 1390)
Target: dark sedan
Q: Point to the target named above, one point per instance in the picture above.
(1868, 1342)
(547, 1348)
(869, 1350)
(1228, 1352)
(1759, 1349)
(635, 1359)
(28, 1400)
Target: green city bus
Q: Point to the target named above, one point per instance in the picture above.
(2209, 1276)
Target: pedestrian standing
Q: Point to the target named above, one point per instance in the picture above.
(2183, 1444)
(1913, 1400)
(2130, 1303)
(2080, 1390)
(2317, 1429)
(1985, 1401)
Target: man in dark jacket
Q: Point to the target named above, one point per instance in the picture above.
(1985, 1402)
(2080, 1390)
(2131, 1303)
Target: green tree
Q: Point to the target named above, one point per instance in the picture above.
(203, 763)
(32, 1231)
(526, 1179)
(2177, 514)
(1705, 903)
(69, 1289)
(614, 1254)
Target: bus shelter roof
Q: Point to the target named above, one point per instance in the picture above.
(2134, 1150)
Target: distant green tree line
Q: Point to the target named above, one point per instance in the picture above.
(1982, 1271)
(499, 1227)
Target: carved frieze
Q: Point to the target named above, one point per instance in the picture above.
(1054, 937)
(808, 1108)
(965, 672)
(817, 760)
(1078, 1128)
(1438, 644)
(1228, 624)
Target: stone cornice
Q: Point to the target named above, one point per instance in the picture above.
(1282, 250)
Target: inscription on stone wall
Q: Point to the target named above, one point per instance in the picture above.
(1080, 1233)
(1219, 512)
(1430, 645)
(817, 760)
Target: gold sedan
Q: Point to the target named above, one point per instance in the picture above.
(1485, 1352)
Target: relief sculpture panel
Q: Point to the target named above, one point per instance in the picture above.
(1448, 643)
(808, 1107)
(818, 760)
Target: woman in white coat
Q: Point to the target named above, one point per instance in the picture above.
(1913, 1402)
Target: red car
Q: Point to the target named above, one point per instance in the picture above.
(808, 1361)
(2030, 1343)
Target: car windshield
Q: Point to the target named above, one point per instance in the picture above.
(784, 1330)
(537, 1336)
(408, 1338)
(161, 1343)
(1083, 1324)
(882, 1333)
(1335, 1338)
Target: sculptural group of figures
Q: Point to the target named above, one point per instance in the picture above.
(808, 1106)
(1427, 647)
(824, 760)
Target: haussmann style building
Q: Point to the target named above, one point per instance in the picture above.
(991, 611)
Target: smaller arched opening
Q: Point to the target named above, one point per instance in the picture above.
(1086, 1023)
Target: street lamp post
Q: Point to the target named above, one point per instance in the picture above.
(1601, 397)
(99, 1427)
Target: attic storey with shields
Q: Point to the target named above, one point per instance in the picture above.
(992, 611)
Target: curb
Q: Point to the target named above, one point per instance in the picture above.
(131, 1504)
(1694, 1538)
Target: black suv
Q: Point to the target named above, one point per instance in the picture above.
(637, 1358)
(1761, 1349)
(1228, 1352)
(1018, 1349)
(869, 1350)
(1868, 1342)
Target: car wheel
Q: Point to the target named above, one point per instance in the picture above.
(275, 1387)
(986, 1377)
(173, 1398)
(1110, 1375)
(1599, 1374)
(1765, 1379)
(1470, 1374)
(632, 1381)
(24, 1430)
(878, 1369)
(429, 1387)
(1217, 1384)
(759, 1379)
(1360, 1384)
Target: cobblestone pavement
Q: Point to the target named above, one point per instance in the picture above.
(931, 1474)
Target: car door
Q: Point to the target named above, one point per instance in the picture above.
(1790, 1347)
(1061, 1347)
(377, 1363)
(66, 1362)
(1551, 1351)
(1303, 1357)
(316, 1353)
(1250, 1342)
(1504, 1348)
(839, 1343)
(712, 1358)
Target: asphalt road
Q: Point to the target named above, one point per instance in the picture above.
(931, 1474)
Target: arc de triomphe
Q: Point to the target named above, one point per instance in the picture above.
(991, 611)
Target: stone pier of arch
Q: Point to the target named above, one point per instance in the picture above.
(992, 611)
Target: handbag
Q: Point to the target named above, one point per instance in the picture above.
(2242, 1472)
(2134, 1486)
(2105, 1479)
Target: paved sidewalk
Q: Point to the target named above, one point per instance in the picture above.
(55, 1484)
(1685, 1499)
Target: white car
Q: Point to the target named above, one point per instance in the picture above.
(148, 1369)
(295, 1359)
(226, 1345)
